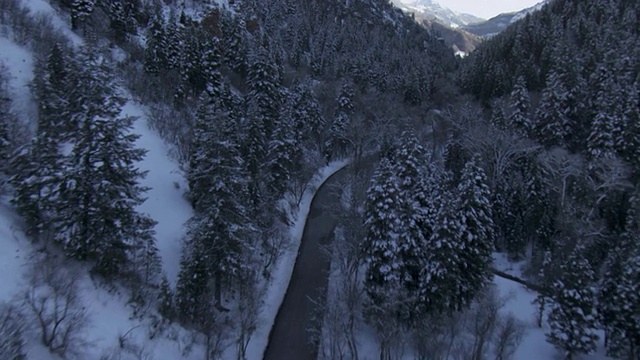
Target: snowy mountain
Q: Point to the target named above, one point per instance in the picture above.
(432, 9)
(443, 21)
(500, 22)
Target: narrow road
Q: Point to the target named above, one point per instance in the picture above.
(289, 337)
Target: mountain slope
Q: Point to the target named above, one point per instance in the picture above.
(444, 22)
(500, 22)
(432, 9)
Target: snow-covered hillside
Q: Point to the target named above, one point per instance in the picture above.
(433, 9)
(500, 22)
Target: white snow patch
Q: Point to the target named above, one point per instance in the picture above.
(281, 275)
(534, 345)
(166, 202)
(45, 8)
(19, 63)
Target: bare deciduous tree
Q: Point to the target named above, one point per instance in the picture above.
(509, 334)
(54, 302)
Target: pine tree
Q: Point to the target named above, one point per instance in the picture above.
(477, 233)
(416, 207)
(607, 122)
(382, 252)
(552, 123)
(458, 253)
(51, 88)
(156, 57)
(39, 166)
(263, 117)
(307, 117)
(96, 213)
(572, 320)
(618, 298)
(520, 119)
(80, 11)
(193, 292)
(337, 142)
(217, 179)
(166, 306)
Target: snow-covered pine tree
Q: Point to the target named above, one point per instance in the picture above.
(96, 213)
(477, 233)
(336, 143)
(629, 141)
(573, 317)
(166, 305)
(284, 157)
(155, 56)
(619, 295)
(217, 178)
(307, 117)
(193, 290)
(520, 119)
(552, 124)
(606, 125)
(458, 253)
(382, 252)
(51, 88)
(263, 111)
(80, 11)
(415, 207)
(38, 167)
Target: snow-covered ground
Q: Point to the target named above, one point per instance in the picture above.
(110, 315)
(534, 345)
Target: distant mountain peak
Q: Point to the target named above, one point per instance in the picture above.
(500, 22)
(433, 9)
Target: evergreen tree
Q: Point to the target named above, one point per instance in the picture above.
(263, 117)
(217, 179)
(572, 320)
(80, 11)
(520, 119)
(552, 123)
(96, 213)
(337, 142)
(618, 298)
(193, 290)
(417, 206)
(307, 118)
(166, 306)
(477, 233)
(38, 167)
(156, 57)
(382, 252)
(51, 88)
(458, 253)
(607, 123)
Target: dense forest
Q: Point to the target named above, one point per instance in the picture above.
(530, 147)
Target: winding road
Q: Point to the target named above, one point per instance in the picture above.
(290, 338)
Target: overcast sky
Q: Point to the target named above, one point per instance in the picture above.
(487, 8)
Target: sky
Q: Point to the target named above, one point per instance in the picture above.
(487, 8)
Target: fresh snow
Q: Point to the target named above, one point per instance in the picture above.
(109, 312)
(43, 7)
(534, 345)
(166, 202)
(283, 270)
(19, 63)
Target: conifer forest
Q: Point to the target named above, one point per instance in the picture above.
(317, 179)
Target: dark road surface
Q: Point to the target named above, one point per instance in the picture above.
(289, 337)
